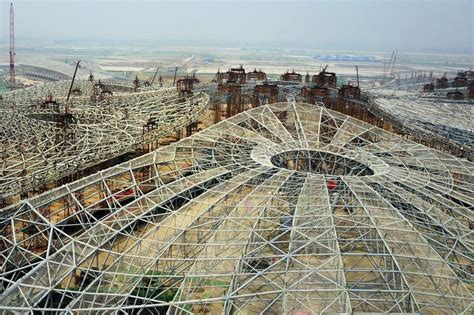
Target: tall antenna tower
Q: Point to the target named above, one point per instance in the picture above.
(12, 48)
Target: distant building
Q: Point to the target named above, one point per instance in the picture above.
(460, 81)
(325, 79)
(455, 95)
(349, 91)
(256, 75)
(442, 83)
(236, 75)
(429, 87)
(314, 93)
(291, 76)
(471, 90)
(470, 75)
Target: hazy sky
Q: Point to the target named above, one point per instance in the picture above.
(408, 25)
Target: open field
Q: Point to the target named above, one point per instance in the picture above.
(143, 62)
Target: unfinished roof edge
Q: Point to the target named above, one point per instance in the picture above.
(45, 138)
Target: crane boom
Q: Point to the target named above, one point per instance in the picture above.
(72, 82)
(357, 73)
(12, 49)
(154, 77)
(175, 72)
(393, 63)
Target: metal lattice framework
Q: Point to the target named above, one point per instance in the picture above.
(449, 119)
(287, 208)
(42, 140)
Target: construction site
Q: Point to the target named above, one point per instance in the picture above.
(244, 192)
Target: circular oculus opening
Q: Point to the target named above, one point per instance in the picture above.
(320, 162)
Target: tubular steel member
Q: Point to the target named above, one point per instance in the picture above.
(288, 208)
(60, 140)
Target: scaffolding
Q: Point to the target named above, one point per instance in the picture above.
(287, 208)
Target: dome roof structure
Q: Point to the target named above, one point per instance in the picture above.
(440, 117)
(43, 138)
(283, 209)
